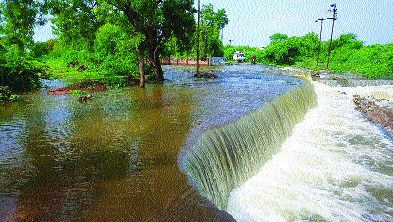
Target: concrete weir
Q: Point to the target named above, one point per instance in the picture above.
(226, 156)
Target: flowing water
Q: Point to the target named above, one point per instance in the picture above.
(259, 144)
(336, 166)
(116, 157)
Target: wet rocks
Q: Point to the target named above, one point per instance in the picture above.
(381, 116)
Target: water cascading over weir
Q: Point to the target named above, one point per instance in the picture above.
(224, 157)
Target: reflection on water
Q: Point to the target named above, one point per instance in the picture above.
(115, 157)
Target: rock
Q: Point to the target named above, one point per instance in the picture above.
(207, 75)
(343, 93)
(315, 76)
(381, 116)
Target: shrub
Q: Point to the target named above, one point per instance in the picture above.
(16, 72)
(115, 51)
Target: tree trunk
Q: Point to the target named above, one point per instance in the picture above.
(158, 73)
(156, 63)
(141, 72)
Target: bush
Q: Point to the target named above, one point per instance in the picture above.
(21, 77)
(39, 49)
(115, 51)
(16, 72)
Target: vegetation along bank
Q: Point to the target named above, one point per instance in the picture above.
(111, 43)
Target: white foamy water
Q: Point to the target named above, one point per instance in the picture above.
(336, 166)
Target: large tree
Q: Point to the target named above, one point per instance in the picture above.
(158, 21)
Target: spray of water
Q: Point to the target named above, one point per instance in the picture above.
(336, 166)
(226, 156)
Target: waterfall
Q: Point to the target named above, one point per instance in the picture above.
(224, 157)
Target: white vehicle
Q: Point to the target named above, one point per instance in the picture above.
(239, 56)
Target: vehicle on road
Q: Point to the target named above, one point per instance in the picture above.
(239, 56)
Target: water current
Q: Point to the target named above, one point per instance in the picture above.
(336, 166)
(257, 143)
(116, 156)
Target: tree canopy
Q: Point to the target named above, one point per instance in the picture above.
(211, 24)
(158, 21)
(17, 19)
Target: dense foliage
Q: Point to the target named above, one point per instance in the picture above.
(17, 19)
(211, 25)
(121, 37)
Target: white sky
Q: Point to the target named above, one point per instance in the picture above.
(251, 22)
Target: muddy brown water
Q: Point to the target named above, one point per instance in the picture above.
(115, 157)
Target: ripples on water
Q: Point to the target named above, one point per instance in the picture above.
(116, 155)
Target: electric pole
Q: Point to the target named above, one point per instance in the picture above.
(198, 39)
(334, 18)
(320, 38)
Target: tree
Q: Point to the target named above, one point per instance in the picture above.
(2, 19)
(212, 24)
(75, 21)
(19, 19)
(278, 37)
(158, 21)
(348, 40)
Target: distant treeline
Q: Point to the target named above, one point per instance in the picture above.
(348, 55)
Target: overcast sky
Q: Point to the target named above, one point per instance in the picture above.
(251, 22)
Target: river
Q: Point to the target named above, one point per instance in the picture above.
(255, 142)
(115, 157)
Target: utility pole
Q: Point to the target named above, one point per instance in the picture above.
(222, 35)
(320, 38)
(197, 74)
(334, 18)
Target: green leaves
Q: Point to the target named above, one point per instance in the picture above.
(211, 24)
(114, 50)
(75, 21)
(18, 21)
